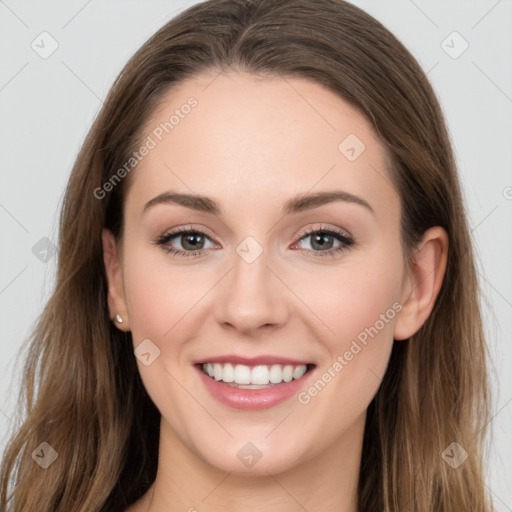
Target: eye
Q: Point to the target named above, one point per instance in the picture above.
(192, 241)
(324, 238)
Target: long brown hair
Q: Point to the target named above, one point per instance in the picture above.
(91, 405)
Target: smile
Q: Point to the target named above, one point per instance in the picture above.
(253, 386)
(253, 377)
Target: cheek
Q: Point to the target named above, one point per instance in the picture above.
(160, 299)
(357, 305)
(354, 299)
(158, 295)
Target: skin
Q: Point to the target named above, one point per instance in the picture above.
(251, 144)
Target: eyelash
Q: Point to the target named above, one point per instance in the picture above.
(347, 242)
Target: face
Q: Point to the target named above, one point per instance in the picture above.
(272, 279)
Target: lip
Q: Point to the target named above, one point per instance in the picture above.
(253, 399)
(252, 361)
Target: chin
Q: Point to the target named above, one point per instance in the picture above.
(253, 458)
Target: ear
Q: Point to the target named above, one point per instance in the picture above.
(113, 270)
(422, 283)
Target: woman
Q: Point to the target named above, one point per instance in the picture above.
(266, 294)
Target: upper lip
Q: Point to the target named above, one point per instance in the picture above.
(252, 361)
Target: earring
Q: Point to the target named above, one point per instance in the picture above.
(118, 319)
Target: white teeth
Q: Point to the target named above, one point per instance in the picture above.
(276, 374)
(298, 372)
(259, 375)
(228, 373)
(242, 374)
(288, 373)
(217, 371)
(252, 377)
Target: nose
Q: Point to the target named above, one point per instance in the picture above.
(251, 297)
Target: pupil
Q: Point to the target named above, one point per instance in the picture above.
(322, 240)
(189, 240)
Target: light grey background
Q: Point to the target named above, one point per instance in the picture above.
(48, 104)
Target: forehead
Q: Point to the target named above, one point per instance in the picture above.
(249, 140)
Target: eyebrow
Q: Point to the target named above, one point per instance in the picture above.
(296, 204)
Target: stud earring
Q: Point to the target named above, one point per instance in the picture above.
(118, 319)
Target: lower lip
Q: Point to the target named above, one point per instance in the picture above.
(252, 399)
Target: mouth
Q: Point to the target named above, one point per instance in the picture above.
(253, 383)
(254, 376)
